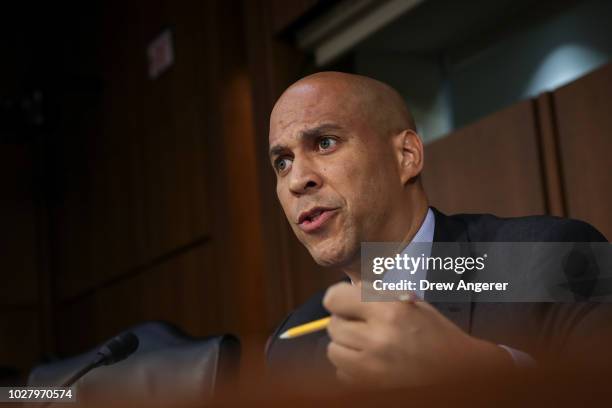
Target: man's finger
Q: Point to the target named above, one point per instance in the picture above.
(344, 358)
(348, 333)
(349, 364)
(344, 299)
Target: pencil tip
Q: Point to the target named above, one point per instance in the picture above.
(284, 335)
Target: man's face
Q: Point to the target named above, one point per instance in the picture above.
(336, 176)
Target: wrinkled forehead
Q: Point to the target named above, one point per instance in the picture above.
(305, 106)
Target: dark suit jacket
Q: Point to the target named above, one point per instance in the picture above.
(544, 330)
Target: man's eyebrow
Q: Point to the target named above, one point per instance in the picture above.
(320, 130)
(277, 149)
(311, 133)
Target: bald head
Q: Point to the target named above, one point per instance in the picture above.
(354, 96)
(347, 161)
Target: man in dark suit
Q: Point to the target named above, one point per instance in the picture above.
(348, 163)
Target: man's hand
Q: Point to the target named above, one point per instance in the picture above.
(400, 343)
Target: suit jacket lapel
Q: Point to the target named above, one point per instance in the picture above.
(459, 308)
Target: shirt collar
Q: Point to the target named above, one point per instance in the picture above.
(426, 232)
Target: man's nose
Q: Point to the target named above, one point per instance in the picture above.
(304, 178)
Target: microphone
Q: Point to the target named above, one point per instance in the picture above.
(113, 351)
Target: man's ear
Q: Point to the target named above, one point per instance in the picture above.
(409, 148)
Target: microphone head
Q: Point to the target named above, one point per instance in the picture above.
(118, 348)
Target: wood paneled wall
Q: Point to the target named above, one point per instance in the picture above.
(548, 155)
(161, 201)
(584, 127)
(19, 234)
(158, 217)
(20, 237)
(491, 166)
(284, 13)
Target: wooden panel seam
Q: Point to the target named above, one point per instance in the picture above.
(548, 144)
(138, 269)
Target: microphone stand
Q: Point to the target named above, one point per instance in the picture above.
(76, 376)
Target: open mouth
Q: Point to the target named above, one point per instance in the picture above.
(315, 218)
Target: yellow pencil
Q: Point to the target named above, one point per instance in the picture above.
(305, 328)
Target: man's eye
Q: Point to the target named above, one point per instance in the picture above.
(326, 143)
(282, 164)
